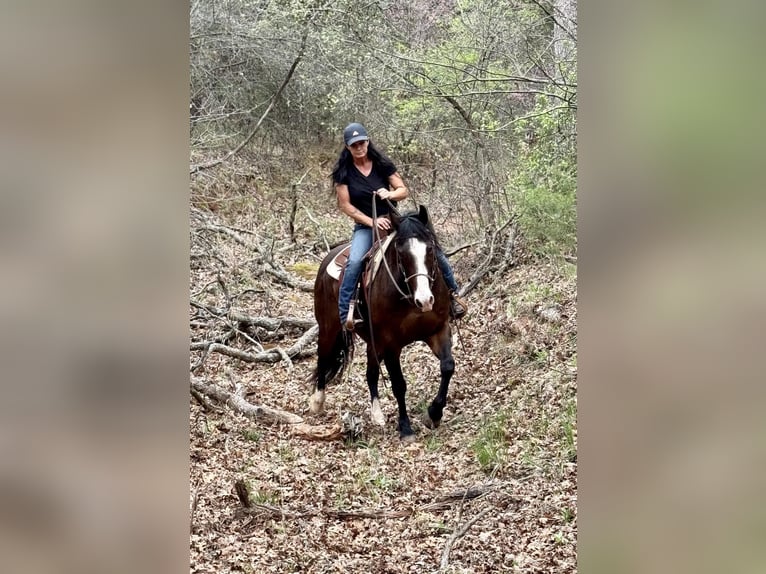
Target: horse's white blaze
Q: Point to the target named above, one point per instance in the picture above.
(423, 296)
(376, 413)
(316, 404)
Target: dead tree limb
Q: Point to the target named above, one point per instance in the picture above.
(288, 280)
(235, 235)
(256, 412)
(319, 227)
(489, 262)
(294, 204)
(262, 413)
(203, 402)
(459, 533)
(271, 323)
(458, 249)
(369, 513)
(302, 348)
(507, 260)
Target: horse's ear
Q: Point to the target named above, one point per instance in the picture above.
(423, 215)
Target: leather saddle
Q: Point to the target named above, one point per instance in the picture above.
(372, 259)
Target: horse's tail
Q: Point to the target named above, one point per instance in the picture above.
(333, 358)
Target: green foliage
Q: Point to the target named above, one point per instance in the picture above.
(433, 442)
(490, 446)
(543, 189)
(253, 435)
(548, 221)
(567, 515)
(568, 427)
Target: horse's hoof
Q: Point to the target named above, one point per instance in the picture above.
(405, 432)
(376, 414)
(428, 422)
(407, 438)
(316, 403)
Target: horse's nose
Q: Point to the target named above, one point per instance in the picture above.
(425, 305)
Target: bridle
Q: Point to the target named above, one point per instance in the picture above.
(406, 296)
(407, 278)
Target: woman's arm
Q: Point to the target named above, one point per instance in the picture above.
(399, 192)
(344, 203)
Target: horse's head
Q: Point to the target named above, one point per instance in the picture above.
(415, 245)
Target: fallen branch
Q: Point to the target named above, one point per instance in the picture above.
(271, 323)
(262, 413)
(195, 501)
(458, 249)
(288, 280)
(232, 234)
(508, 260)
(466, 494)
(319, 227)
(488, 263)
(459, 533)
(203, 402)
(369, 513)
(301, 349)
(256, 412)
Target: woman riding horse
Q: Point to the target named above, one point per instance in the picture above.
(406, 301)
(362, 175)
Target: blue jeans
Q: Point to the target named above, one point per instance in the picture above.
(449, 277)
(361, 241)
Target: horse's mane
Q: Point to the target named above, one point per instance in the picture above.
(410, 226)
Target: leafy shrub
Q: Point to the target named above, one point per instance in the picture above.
(543, 187)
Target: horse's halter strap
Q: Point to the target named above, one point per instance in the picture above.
(408, 277)
(376, 231)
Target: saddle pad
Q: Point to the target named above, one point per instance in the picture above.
(339, 261)
(378, 256)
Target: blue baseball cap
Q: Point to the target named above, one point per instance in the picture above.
(354, 133)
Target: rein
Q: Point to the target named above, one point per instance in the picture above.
(376, 231)
(379, 241)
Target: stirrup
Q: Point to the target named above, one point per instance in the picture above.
(350, 321)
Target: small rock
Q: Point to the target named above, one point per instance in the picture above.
(549, 313)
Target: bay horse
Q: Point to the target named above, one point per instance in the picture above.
(407, 301)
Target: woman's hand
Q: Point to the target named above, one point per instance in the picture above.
(384, 223)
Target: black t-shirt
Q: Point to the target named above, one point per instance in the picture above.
(361, 188)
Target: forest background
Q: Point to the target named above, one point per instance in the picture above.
(475, 101)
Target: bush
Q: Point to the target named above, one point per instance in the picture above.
(548, 220)
(543, 187)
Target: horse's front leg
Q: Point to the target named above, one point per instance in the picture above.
(373, 376)
(399, 388)
(441, 345)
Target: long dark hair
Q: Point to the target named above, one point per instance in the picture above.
(346, 161)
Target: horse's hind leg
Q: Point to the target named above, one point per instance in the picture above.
(441, 345)
(399, 387)
(329, 363)
(373, 376)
